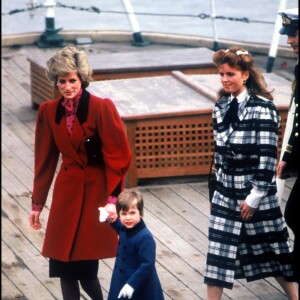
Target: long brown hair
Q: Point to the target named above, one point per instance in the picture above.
(239, 58)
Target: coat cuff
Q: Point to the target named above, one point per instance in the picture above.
(37, 207)
(254, 197)
(112, 200)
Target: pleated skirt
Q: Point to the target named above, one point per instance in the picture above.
(75, 270)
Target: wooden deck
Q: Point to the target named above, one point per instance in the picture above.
(176, 211)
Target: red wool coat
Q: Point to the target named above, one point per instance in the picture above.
(73, 230)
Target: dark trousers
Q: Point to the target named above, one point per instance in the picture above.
(292, 218)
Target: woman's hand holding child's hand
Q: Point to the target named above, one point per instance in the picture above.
(107, 214)
(112, 211)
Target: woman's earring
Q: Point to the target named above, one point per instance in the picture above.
(244, 82)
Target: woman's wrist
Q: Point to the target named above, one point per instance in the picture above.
(36, 207)
(112, 200)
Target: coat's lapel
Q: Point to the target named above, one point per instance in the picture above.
(223, 105)
(65, 142)
(77, 136)
(242, 112)
(83, 107)
(71, 143)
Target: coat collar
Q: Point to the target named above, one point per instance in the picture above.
(82, 110)
(242, 98)
(137, 228)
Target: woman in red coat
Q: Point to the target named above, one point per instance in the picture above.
(83, 136)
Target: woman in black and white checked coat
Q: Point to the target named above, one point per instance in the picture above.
(248, 237)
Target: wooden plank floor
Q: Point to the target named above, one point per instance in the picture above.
(176, 211)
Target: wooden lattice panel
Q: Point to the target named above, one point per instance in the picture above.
(170, 146)
(181, 146)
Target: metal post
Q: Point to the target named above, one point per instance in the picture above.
(275, 39)
(50, 38)
(137, 36)
(213, 14)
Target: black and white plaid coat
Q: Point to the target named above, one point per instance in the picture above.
(245, 157)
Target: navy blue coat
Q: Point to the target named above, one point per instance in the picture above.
(135, 264)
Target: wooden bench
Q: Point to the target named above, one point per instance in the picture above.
(109, 66)
(168, 121)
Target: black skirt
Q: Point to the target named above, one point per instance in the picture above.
(75, 270)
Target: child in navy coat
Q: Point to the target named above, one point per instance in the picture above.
(134, 275)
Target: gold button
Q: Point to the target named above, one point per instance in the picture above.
(296, 125)
(296, 134)
(297, 115)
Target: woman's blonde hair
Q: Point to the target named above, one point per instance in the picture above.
(239, 58)
(129, 198)
(69, 59)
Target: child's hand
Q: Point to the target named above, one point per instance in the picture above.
(126, 292)
(103, 215)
